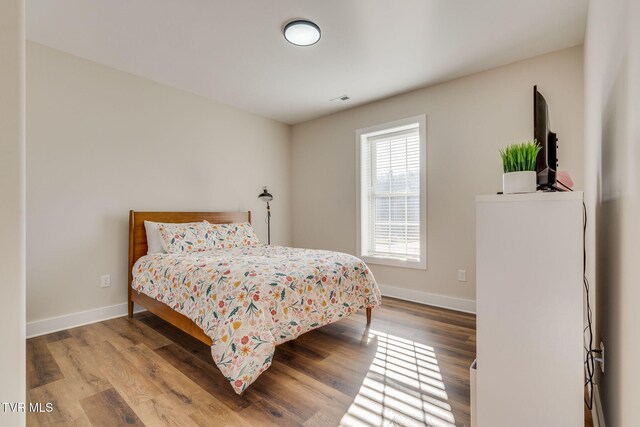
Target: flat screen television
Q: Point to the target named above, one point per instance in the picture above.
(547, 160)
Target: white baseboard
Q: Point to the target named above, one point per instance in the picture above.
(55, 324)
(444, 301)
(596, 410)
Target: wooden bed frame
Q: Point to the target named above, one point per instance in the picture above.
(138, 248)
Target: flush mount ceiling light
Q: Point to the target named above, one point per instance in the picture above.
(301, 32)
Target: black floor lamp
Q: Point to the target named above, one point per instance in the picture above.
(265, 196)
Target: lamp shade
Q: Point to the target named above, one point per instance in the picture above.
(265, 196)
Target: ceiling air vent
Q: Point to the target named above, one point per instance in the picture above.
(340, 98)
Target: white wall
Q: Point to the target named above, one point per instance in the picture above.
(12, 233)
(612, 169)
(102, 142)
(467, 120)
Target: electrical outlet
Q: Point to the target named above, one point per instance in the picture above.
(105, 281)
(462, 275)
(602, 356)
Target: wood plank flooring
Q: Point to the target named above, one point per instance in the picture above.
(411, 367)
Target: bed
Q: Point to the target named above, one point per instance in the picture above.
(244, 300)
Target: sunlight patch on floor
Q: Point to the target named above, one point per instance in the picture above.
(403, 387)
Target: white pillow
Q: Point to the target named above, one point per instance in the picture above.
(154, 240)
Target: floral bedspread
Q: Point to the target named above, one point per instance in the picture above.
(249, 299)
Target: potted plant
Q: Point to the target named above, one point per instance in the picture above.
(519, 166)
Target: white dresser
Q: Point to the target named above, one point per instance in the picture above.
(529, 303)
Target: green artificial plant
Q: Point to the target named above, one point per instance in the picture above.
(520, 157)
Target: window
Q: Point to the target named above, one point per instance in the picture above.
(392, 193)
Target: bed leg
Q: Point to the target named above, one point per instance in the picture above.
(368, 315)
(130, 307)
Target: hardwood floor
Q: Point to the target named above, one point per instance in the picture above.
(411, 367)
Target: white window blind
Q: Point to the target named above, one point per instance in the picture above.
(390, 194)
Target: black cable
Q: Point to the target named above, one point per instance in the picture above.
(560, 182)
(589, 359)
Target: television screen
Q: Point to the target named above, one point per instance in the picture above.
(547, 161)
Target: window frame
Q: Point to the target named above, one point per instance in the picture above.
(361, 136)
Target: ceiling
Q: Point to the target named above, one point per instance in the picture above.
(234, 52)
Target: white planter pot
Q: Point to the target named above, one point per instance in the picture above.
(519, 182)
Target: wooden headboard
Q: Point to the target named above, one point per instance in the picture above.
(138, 234)
(138, 248)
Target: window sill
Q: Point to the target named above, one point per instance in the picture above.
(394, 262)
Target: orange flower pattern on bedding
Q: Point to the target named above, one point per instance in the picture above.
(248, 299)
(180, 238)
